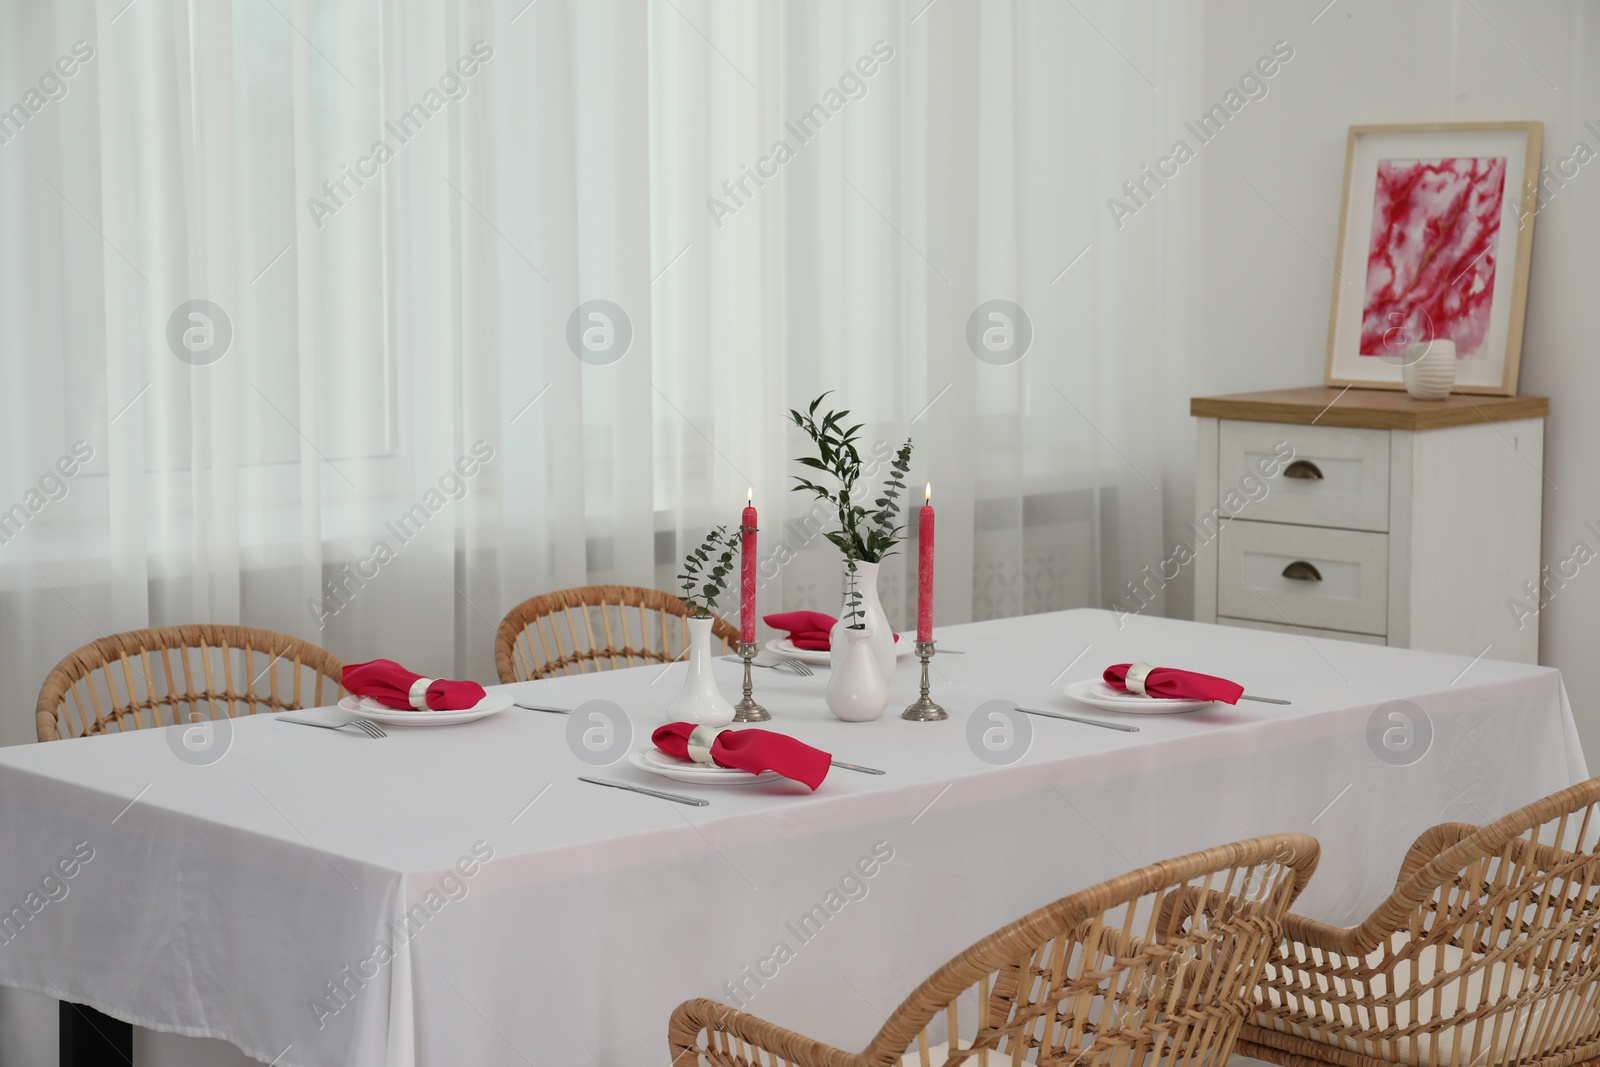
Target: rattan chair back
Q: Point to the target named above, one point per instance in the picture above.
(1484, 955)
(595, 628)
(1153, 968)
(182, 674)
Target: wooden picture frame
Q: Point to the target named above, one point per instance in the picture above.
(1387, 298)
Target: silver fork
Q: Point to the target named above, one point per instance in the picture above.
(366, 726)
(783, 664)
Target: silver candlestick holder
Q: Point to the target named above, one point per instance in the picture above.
(747, 710)
(923, 709)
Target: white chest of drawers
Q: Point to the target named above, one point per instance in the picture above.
(1369, 516)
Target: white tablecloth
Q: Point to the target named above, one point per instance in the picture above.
(244, 899)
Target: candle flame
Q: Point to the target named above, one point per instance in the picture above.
(927, 494)
(750, 496)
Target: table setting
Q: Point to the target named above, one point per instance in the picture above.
(857, 649)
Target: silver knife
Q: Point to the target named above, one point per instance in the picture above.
(740, 659)
(535, 707)
(857, 767)
(1262, 700)
(696, 801)
(1086, 722)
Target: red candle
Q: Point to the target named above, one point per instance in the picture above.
(747, 571)
(925, 567)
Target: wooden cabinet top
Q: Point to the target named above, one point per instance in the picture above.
(1374, 409)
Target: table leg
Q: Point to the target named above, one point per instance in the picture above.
(93, 1039)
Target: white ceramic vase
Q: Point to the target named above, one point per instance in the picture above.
(856, 689)
(876, 622)
(700, 702)
(1430, 372)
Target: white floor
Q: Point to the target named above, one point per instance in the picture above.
(29, 1038)
(27, 1029)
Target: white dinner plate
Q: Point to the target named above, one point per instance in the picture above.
(782, 646)
(1095, 692)
(657, 762)
(368, 708)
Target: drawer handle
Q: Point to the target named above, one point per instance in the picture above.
(1301, 571)
(1303, 468)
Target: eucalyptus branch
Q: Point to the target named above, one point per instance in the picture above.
(855, 612)
(705, 572)
(884, 533)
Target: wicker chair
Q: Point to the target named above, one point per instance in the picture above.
(529, 642)
(1484, 955)
(182, 674)
(1157, 966)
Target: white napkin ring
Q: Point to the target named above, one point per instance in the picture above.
(1137, 673)
(700, 741)
(419, 693)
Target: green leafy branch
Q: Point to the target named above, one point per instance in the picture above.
(705, 572)
(855, 612)
(883, 533)
(869, 536)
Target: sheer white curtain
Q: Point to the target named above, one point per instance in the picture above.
(400, 210)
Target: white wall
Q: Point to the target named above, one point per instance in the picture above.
(1268, 272)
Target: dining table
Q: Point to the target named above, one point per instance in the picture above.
(457, 894)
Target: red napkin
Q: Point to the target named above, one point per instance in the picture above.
(807, 629)
(751, 750)
(1174, 684)
(388, 683)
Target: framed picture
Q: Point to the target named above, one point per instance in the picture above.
(1434, 238)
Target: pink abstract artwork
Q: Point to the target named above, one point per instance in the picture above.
(1431, 261)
